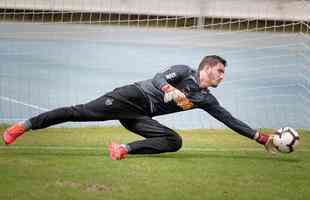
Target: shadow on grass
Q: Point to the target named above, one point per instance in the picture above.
(179, 155)
(215, 155)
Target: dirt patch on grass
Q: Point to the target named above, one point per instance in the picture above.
(96, 188)
(84, 187)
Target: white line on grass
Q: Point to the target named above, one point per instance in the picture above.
(103, 147)
(22, 103)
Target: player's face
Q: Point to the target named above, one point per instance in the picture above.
(211, 76)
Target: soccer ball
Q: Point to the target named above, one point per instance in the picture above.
(286, 139)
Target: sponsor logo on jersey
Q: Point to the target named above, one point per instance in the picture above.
(171, 75)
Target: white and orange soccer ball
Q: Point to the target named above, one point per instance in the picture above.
(286, 139)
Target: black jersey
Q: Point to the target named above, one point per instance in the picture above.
(186, 80)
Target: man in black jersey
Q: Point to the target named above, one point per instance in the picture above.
(177, 89)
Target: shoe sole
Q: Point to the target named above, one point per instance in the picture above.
(112, 152)
(4, 140)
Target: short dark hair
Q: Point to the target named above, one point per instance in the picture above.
(211, 60)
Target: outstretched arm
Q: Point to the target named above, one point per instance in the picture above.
(220, 113)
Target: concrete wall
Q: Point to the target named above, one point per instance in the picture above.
(265, 9)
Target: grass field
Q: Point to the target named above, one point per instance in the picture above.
(58, 163)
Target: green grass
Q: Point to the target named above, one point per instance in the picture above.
(73, 163)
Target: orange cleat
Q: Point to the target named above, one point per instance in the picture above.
(117, 151)
(13, 132)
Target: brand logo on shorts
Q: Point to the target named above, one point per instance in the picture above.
(109, 102)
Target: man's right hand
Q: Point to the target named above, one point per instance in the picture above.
(173, 94)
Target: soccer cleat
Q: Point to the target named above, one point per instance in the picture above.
(13, 132)
(117, 151)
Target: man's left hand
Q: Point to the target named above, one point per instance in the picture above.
(184, 103)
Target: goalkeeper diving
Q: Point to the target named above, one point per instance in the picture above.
(179, 88)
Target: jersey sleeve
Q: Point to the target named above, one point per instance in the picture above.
(221, 114)
(172, 75)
